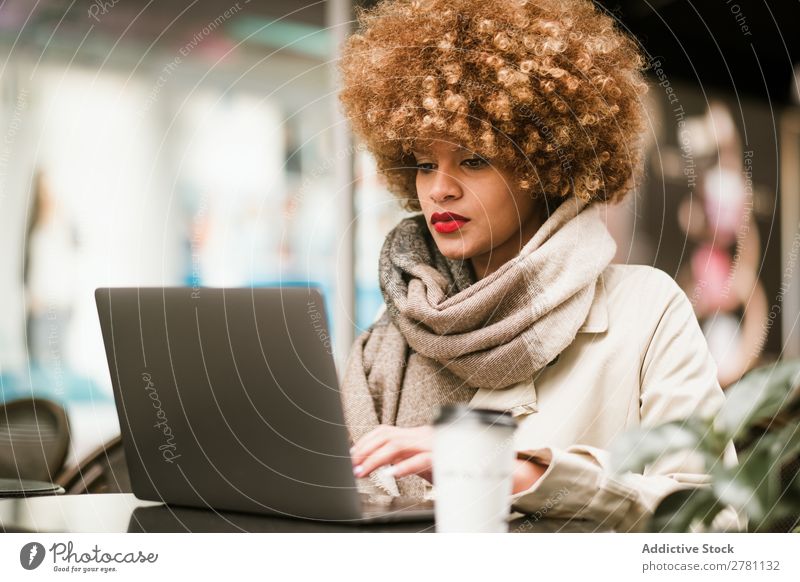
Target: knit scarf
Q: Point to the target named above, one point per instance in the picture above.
(445, 335)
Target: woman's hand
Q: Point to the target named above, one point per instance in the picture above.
(526, 473)
(408, 449)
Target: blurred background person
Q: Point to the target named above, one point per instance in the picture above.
(722, 273)
(49, 269)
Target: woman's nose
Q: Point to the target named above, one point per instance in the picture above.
(444, 187)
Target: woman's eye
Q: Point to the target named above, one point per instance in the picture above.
(475, 163)
(425, 167)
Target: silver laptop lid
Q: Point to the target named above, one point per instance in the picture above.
(229, 399)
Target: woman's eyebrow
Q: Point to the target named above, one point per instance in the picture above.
(428, 152)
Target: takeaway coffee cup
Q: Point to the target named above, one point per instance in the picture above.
(473, 462)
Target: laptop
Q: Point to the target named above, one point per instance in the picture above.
(228, 399)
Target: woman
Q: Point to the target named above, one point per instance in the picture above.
(509, 125)
(48, 273)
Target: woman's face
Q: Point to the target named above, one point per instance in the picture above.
(498, 219)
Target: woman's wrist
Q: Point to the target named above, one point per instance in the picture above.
(526, 473)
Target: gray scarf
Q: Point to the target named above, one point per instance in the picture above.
(445, 336)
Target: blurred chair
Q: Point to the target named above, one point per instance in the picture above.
(104, 470)
(34, 439)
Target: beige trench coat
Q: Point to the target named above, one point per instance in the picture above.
(639, 360)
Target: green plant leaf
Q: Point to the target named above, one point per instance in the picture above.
(788, 506)
(787, 443)
(738, 492)
(635, 449)
(760, 395)
(754, 484)
(678, 511)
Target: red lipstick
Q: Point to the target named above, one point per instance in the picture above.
(447, 222)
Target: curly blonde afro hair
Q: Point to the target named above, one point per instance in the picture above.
(549, 89)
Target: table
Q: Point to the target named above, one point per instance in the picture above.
(120, 512)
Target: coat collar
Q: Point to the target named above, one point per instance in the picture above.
(597, 319)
